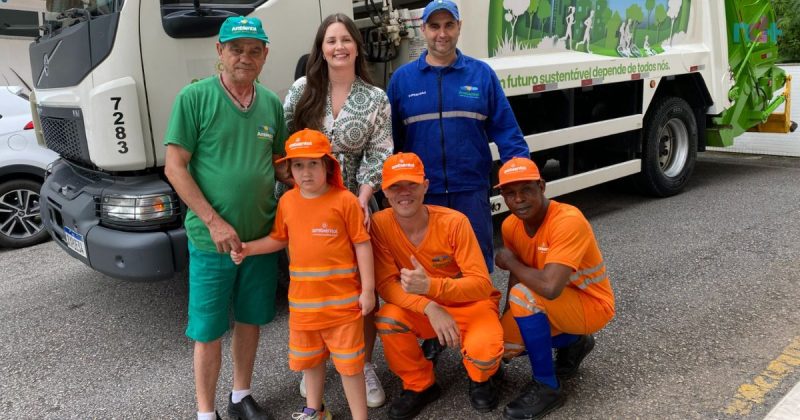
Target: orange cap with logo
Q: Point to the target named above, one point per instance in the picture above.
(313, 144)
(402, 167)
(518, 169)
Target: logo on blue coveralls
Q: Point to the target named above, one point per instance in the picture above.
(265, 132)
(468, 91)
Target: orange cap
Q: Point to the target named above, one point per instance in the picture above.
(312, 144)
(402, 167)
(518, 169)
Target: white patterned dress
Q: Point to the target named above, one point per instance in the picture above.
(361, 135)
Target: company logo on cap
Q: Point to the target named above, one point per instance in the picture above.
(403, 165)
(300, 143)
(514, 168)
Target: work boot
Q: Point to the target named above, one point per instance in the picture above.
(247, 409)
(484, 396)
(431, 348)
(569, 358)
(534, 402)
(410, 403)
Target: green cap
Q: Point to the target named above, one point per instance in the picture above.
(236, 27)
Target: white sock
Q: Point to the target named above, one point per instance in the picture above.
(237, 396)
(206, 416)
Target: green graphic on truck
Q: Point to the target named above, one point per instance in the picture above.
(616, 28)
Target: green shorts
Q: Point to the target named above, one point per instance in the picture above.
(216, 284)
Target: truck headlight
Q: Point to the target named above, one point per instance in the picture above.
(146, 208)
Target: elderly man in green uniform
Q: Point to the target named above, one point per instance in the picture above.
(223, 135)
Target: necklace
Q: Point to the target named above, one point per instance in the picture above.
(240, 103)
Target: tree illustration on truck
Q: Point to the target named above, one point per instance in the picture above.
(618, 28)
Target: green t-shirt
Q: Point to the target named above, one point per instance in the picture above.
(231, 156)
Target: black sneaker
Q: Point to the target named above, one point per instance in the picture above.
(410, 403)
(431, 348)
(569, 358)
(247, 409)
(484, 396)
(534, 402)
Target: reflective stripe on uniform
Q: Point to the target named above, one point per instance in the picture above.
(483, 364)
(305, 354)
(383, 320)
(576, 275)
(322, 304)
(347, 356)
(447, 114)
(325, 273)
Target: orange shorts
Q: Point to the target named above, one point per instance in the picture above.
(343, 343)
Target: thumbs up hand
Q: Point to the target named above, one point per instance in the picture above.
(415, 281)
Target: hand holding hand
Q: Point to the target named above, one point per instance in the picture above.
(444, 325)
(503, 258)
(224, 236)
(415, 281)
(239, 256)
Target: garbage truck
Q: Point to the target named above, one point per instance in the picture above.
(602, 90)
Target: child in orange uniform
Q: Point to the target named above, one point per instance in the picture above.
(329, 248)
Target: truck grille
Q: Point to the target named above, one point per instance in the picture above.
(64, 133)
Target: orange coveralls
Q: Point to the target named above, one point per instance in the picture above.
(460, 283)
(564, 237)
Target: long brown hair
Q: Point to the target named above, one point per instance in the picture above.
(310, 108)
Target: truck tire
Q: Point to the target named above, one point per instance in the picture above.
(669, 148)
(20, 221)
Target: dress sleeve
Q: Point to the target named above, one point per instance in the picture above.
(290, 103)
(379, 146)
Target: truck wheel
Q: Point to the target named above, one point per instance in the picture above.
(670, 147)
(20, 221)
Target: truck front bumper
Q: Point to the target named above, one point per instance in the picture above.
(68, 202)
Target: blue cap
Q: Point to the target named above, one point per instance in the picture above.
(437, 5)
(236, 27)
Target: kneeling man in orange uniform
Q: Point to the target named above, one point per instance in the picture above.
(559, 292)
(430, 271)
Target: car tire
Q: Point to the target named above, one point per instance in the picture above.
(20, 220)
(669, 148)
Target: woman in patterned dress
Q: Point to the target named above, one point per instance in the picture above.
(337, 97)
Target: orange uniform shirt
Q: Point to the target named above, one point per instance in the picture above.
(449, 253)
(324, 282)
(565, 237)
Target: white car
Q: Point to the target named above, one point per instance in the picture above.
(22, 169)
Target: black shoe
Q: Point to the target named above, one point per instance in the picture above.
(535, 401)
(247, 409)
(484, 396)
(431, 348)
(410, 403)
(569, 358)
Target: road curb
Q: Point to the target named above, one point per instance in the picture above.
(788, 408)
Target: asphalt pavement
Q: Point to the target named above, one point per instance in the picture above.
(707, 287)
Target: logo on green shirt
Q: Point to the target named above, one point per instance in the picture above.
(265, 132)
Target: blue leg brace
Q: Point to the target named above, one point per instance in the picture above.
(535, 331)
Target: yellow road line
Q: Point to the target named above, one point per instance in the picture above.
(752, 393)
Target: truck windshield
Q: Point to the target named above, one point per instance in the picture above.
(94, 7)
